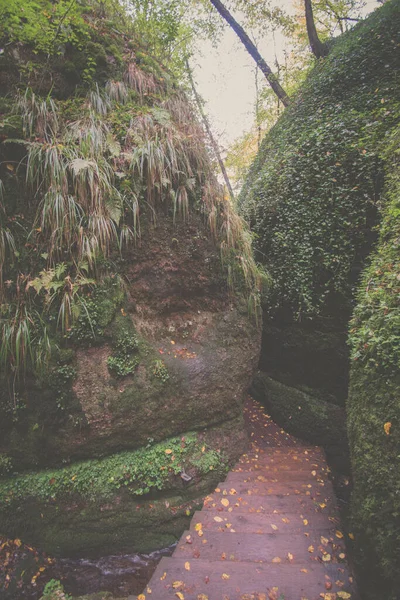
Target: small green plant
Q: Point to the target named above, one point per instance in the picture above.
(5, 465)
(160, 371)
(122, 364)
(54, 590)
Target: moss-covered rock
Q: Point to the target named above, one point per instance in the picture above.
(310, 418)
(374, 405)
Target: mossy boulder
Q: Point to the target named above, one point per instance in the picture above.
(311, 418)
(374, 405)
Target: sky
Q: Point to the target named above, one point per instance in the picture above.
(226, 81)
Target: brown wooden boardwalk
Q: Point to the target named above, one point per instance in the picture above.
(270, 531)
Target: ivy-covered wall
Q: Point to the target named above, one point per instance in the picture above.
(374, 401)
(323, 201)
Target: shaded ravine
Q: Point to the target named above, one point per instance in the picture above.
(271, 529)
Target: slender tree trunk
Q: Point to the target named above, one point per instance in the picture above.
(318, 48)
(252, 50)
(212, 139)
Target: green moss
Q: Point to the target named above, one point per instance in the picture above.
(307, 417)
(311, 195)
(374, 400)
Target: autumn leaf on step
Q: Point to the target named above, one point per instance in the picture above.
(218, 519)
(225, 502)
(351, 536)
(387, 427)
(274, 527)
(326, 557)
(273, 593)
(225, 576)
(290, 556)
(339, 534)
(276, 560)
(311, 548)
(187, 566)
(343, 595)
(202, 597)
(324, 540)
(180, 595)
(305, 522)
(198, 526)
(342, 556)
(141, 597)
(163, 576)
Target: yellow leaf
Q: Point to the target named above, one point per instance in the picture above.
(339, 534)
(202, 597)
(200, 533)
(187, 566)
(179, 595)
(141, 597)
(324, 540)
(290, 556)
(148, 590)
(163, 576)
(274, 527)
(311, 548)
(17, 543)
(326, 557)
(172, 342)
(313, 473)
(168, 451)
(305, 521)
(198, 526)
(177, 584)
(225, 576)
(351, 536)
(303, 571)
(276, 559)
(322, 504)
(225, 502)
(287, 520)
(387, 427)
(342, 556)
(343, 595)
(218, 519)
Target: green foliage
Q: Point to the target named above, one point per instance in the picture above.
(160, 371)
(122, 364)
(6, 465)
(139, 473)
(312, 194)
(53, 590)
(373, 402)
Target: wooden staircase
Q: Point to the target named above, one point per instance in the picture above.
(270, 531)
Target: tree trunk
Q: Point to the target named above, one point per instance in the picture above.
(252, 50)
(318, 48)
(212, 139)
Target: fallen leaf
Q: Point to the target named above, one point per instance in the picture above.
(311, 548)
(274, 527)
(163, 576)
(180, 595)
(225, 576)
(168, 451)
(303, 571)
(326, 557)
(225, 502)
(342, 555)
(200, 533)
(387, 427)
(218, 519)
(324, 540)
(290, 556)
(276, 559)
(177, 584)
(141, 597)
(202, 597)
(313, 473)
(187, 566)
(198, 526)
(339, 534)
(305, 522)
(343, 595)
(351, 536)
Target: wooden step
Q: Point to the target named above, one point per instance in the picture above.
(261, 523)
(260, 548)
(224, 580)
(260, 486)
(270, 504)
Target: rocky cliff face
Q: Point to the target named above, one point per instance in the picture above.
(125, 405)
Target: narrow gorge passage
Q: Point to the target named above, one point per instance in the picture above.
(270, 531)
